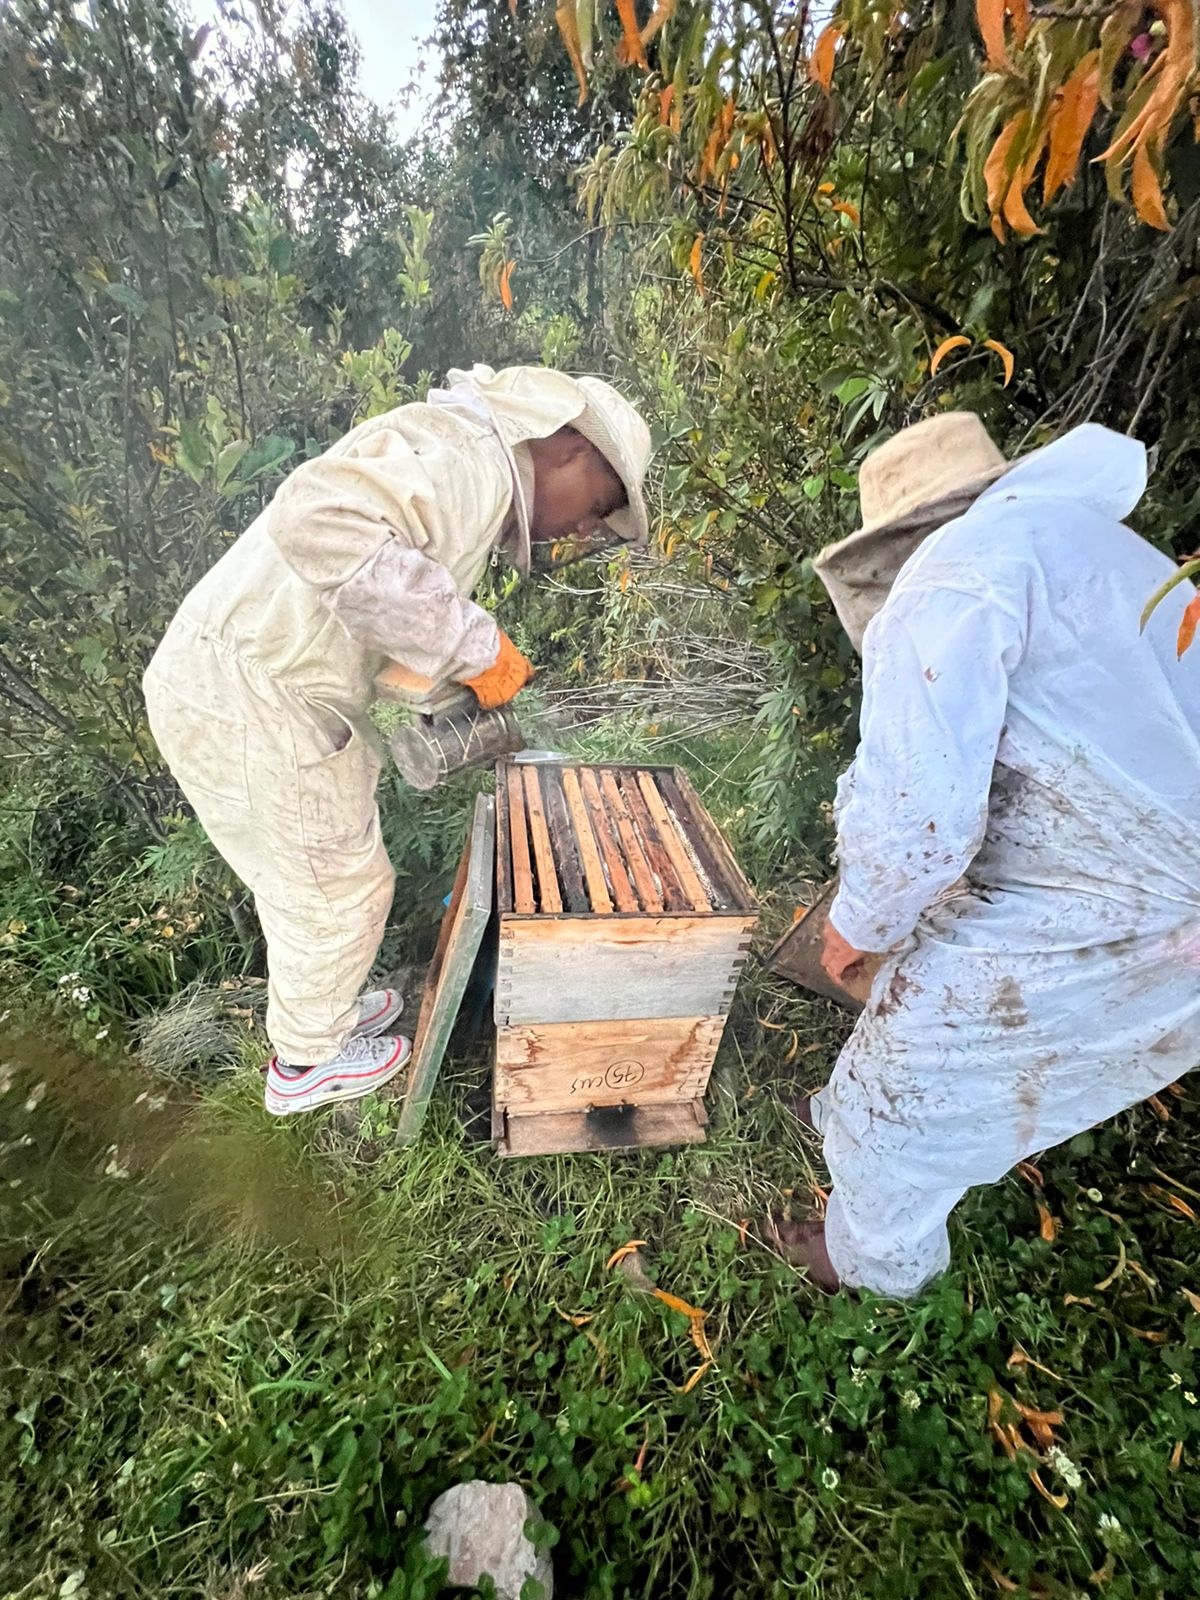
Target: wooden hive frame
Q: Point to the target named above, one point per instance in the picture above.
(624, 922)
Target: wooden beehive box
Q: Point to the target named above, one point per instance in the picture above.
(624, 923)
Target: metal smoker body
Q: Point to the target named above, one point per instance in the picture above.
(449, 731)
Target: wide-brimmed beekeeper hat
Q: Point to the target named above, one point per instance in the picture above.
(524, 403)
(918, 480)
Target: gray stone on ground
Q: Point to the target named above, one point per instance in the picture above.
(480, 1527)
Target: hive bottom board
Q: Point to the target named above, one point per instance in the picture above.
(554, 1133)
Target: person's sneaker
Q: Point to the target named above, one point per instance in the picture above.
(363, 1066)
(377, 1010)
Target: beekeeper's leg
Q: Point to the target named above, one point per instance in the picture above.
(300, 827)
(892, 1147)
(323, 911)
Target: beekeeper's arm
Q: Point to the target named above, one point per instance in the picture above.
(936, 664)
(362, 526)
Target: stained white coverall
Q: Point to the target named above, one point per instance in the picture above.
(1018, 733)
(258, 695)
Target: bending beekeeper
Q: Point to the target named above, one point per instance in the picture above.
(258, 694)
(1019, 835)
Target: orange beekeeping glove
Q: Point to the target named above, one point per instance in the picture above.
(502, 682)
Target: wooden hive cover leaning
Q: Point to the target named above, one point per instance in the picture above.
(624, 924)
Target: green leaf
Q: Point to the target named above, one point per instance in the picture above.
(229, 458)
(852, 389)
(126, 296)
(279, 256)
(264, 455)
(1186, 571)
(928, 78)
(193, 452)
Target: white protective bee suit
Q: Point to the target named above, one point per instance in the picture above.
(1021, 827)
(259, 692)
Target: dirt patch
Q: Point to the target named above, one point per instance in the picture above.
(1008, 1008)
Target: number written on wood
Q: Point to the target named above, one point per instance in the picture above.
(621, 1075)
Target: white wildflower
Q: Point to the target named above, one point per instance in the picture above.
(858, 1377)
(1108, 1524)
(81, 994)
(114, 1169)
(1065, 1467)
(830, 1478)
(36, 1096)
(1189, 1397)
(1095, 1196)
(102, 1033)
(910, 1400)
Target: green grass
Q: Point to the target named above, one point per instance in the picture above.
(245, 1351)
(240, 1361)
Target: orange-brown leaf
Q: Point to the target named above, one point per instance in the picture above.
(568, 26)
(625, 1250)
(1060, 1501)
(1018, 10)
(998, 172)
(686, 1388)
(1147, 190)
(664, 104)
(1187, 625)
(674, 1303)
(1073, 113)
(695, 262)
(1176, 1456)
(1192, 1299)
(1016, 213)
(506, 285)
(1009, 361)
(630, 48)
(820, 63)
(1052, 1419)
(1006, 1585)
(1048, 1225)
(990, 15)
(661, 14)
(576, 1319)
(1172, 70)
(956, 342)
(847, 209)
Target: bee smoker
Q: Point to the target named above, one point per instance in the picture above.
(449, 731)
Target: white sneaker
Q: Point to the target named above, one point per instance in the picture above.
(377, 1010)
(363, 1066)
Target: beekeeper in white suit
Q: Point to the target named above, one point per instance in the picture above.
(258, 694)
(1020, 833)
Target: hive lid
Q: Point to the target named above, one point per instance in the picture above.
(599, 839)
(463, 927)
